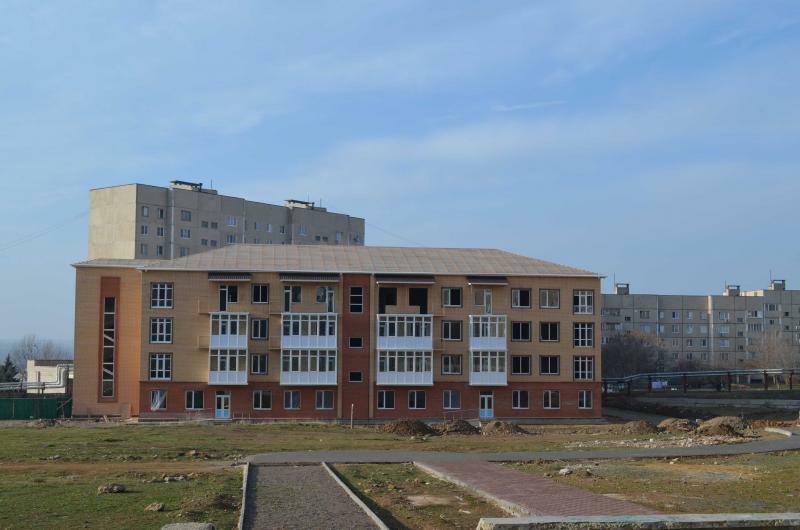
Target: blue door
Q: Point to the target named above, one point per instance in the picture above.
(222, 409)
(486, 405)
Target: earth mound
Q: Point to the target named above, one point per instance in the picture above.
(501, 427)
(457, 427)
(676, 426)
(722, 426)
(638, 427)
(406, 428)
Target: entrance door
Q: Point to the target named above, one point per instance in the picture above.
(486, 405)
(223, 406)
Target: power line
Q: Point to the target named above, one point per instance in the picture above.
(42, 232)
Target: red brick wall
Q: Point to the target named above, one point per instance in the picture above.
(355, 359)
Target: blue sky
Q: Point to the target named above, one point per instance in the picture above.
(655, 141)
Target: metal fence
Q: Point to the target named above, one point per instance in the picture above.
(35, 408)
(723, 378)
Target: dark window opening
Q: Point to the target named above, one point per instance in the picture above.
(386, 296)
(419, 296)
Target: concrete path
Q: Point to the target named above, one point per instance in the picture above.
(355, 457)
(526, 494)
(299, 497)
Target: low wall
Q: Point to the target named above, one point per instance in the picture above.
(730, 521)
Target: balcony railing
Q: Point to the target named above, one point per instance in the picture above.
(488, 368)
(308, 367)
(405, 332)
(487, 332)
(309, 330)
(227, 377)
(405, 368)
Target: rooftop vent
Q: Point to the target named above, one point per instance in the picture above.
(777, 285)
(622, 288)
(295, 203)
(732, 290)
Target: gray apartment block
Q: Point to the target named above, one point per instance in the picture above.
(714, 331)
(139, 221)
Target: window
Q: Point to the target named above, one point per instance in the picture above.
(520, 399)
(255, 226)
(143, 230)
(520, 364)
(160, 366)
(690, 315)
(308, 361)
(549, 298)
(724, 316)
(158, 400)
(262, 400)
(724, 343)
(676, 315)
(260, 328)
(204, 242)
(283, 229)
(549, 365)
(676, 328)
(451, 296)
(232, 220)
(292, 294)
(386, 399)
(583, 334)
(213, 242)
(194, 399)
(109, 347)
(356, 377)
(160, 330)
(452, 399)
(552, 399)
(145, 211)
(356, 299)
(338, 237)
(583, 302)
(324, 399)
(160, 295)
(325, 295)
(258, 363)
(549, 332)
(230, 238)
(488, 362)
(520, 298)
(521, 331)
(186, 215)
(184, 251)
(405, 361)
(161, 213)
(704, 356)
(356, 342)
(143, 249)
(160, 231)
(583, 367)
(724, 330)
(204, 224)
(291, 400)
(260, 293)
(584, 399)
(186, 233)
(302, 230)
(451, 364)
(451, 330)
(416, 399)
(644, 314)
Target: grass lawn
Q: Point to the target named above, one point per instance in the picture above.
(68, 499)
(747, 483)
(405, 497)
(124, 442)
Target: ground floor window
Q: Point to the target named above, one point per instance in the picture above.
(452, 399)
(194, 399)
(551, 399)
(158, 400)
(416, 399)
(584, 399)
(386, 399)
(262, 400)
(324, 399)
(291, 400)
(519, 399)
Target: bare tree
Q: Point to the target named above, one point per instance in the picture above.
(31, 347)
(773, 349)
(633, 353)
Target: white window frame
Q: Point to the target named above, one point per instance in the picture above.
(522, 324)
(161, 295)
(324, 394)
(583, 367)
(582, 400)
(549, 327)
(516, 295)
(547, 399)
(583, 334)
(583, 302)
(159, 367)
(262, 288)
(530, 365)
(447, 296)
(158, 400)
(550, 364)
(256, 359)
(161, 331)
(261, 394)
(382, 394)
(448, 327)
(194, 393)
(255, 326)
(145, 211)
(447, 364)
(516, 398)
(356, 299)
(413, 399)
(290, 394)
(186, 233)
(546, 301)
(232, 221)
(447, 400)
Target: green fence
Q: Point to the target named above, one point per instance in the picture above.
(30, 408)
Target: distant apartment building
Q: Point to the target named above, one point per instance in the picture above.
(310, 332)
(139, 221)
(713, 331)
(48, 371)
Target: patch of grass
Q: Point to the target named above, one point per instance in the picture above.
(767, 482)
(70, 500)
(92, 442)
(391, 491)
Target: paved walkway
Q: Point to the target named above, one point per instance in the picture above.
(526, 494)
(299, 497)
(355, 457)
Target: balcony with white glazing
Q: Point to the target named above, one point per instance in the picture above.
(404, 368)
(228, 330)
(308, 367)
(309, 330)
(487, 332)
(488, 368)
(405, 332)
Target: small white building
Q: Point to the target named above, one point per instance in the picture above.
(46, 371)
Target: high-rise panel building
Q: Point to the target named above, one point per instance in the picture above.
(140, 221)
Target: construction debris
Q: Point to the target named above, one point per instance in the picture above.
(456, 427)
(501, 427)
(407, 428)
(110, 488)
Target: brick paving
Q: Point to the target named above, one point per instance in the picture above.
(528, 494)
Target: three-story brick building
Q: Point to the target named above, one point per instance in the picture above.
(313, 332)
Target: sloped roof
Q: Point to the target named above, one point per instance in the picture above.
(354, 259)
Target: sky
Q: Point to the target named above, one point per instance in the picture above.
(653, 142)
